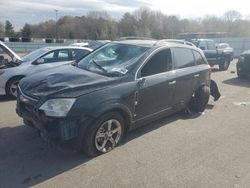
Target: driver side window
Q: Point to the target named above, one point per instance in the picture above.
(56, 56)
(158, 63)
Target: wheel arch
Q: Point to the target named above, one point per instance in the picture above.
(122, 109)
(11, 78)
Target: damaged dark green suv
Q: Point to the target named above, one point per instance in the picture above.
(117, 87)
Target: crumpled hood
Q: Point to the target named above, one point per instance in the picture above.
(64, 81)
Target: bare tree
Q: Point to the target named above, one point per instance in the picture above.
(142, 22)
(232, 15)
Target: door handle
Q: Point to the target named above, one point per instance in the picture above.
(172, 83)
(196, 75)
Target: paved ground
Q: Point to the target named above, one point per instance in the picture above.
(208, 150)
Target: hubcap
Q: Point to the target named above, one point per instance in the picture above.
(13, 88)
(108, 135)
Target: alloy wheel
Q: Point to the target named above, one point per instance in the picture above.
(13, 88)
(108, 135)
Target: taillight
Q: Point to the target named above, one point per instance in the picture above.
(210, 69)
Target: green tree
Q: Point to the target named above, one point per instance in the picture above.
(9, 29)
(127, 25)
(1, 30)
(26, 31)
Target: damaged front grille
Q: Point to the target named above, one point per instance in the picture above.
(26, 98)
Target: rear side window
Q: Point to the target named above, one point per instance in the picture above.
(198, 58)
(78, 54)
(211, 45)
(202, 45)
(158, 63)
(183, 58)
(63, 55)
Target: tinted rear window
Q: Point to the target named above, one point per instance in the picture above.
(183, 57)
(198, 58)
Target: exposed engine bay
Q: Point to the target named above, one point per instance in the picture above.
(7, 58)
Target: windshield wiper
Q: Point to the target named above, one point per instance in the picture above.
(100, 67)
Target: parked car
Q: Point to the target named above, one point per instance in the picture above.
(14, 69)
(93, 44)
(214, 55)
(226, 48)
(243, 64)
(117, 87)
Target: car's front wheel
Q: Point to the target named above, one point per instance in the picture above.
(225, 64)
(104, 135)
(11, 87)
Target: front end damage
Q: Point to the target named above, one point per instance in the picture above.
(49, 127)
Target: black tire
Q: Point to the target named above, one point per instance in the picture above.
(200, 99)
(224, 65)
(9, 90)
(88, 141)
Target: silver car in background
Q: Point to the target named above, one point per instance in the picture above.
(13, 68)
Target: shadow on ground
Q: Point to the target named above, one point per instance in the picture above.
(241, 82)
(26, 160)
(4, 98)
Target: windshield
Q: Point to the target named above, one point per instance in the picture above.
(35, 54)
(112, 59)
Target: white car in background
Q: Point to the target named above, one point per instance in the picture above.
(226, 48)
(13, 68)
(93, 44)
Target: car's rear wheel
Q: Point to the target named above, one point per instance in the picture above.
(11, 87)
(104, 135)
(225, 64)
(200, 99)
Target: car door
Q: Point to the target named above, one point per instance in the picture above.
(156, 85)
(211, 53)
(187, 75)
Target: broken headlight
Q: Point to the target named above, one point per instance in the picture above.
(57, 107)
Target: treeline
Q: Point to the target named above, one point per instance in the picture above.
(142, 22)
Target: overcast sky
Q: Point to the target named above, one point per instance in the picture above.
(33, 11)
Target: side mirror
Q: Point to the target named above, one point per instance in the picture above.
(141, 81)
(39, 61)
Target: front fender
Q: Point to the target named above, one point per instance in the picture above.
(113, 105)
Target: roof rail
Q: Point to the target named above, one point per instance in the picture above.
(175, 41)
(134, 38)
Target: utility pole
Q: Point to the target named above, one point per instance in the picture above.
(56, 22)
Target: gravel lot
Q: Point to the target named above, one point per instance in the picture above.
(211, 149)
